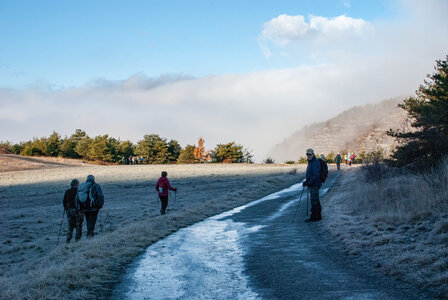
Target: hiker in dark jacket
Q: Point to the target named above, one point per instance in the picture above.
(74, 216)
(162, 187)
(313, 182)
(92, 205)
(338, 160)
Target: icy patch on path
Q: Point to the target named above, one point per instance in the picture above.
(204, 260)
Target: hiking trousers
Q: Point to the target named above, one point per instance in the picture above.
(74, 222)
(91, 217)
(315, 202)
(164, 200)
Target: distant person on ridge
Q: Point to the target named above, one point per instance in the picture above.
(349, 159)
(313, 182)
(162, 187)
(338, 160)
(90, 200)
(74, 216)
(322, 156)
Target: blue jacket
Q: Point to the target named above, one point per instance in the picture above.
(313, 173)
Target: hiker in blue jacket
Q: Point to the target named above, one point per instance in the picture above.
(90, 200)
(313, 182)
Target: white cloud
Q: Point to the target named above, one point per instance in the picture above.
(341, 24)
(284, 30)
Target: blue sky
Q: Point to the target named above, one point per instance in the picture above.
(252, 72)
(66, 43)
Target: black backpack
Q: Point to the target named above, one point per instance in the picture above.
(323, 170)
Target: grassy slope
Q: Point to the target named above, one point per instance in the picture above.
(399, 226)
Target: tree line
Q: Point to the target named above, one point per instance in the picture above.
(152, 149)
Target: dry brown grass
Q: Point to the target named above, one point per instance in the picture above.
(33, 267)
(400, 224)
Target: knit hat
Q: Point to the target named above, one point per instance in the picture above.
(309, 151)
(74, 182)
(90, 178)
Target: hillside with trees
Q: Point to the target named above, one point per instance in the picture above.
(359, 129)
(152, 149)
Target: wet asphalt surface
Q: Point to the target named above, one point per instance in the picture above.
(263, 250)
(292, 260)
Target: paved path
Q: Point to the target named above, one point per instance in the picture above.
(255, 252)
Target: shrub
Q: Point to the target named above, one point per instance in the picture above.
(269, 160)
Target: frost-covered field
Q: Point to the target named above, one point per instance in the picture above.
(399, 226)
(33, 267)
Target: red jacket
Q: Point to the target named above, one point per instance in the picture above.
(163, 185)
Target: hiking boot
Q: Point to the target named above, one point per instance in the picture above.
(313, 219)
(162, 211)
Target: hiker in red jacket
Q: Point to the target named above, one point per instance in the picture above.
(162, 187)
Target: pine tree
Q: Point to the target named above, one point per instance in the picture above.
(427, 142)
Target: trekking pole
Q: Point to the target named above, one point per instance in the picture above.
(298, 204)
(175, 196)
(105, 221)
(307, 190)
(101, 221)
(60, 227)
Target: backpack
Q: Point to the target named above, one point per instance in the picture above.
(86, 197)
(84, 190)
(323, 170)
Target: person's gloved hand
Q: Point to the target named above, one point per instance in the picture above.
(175, 189)
(304, 183)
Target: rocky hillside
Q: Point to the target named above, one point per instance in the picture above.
(362, 127)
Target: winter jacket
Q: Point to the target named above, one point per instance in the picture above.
(338, 159)
(313, 173)
(163, 185)
(69, 198)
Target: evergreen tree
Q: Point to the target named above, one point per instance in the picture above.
(248, 156)
(53, 144)
(103, 148)
(427, 142)
(83, 145)
(228, 153)
(36, 147)
(154, 147)
(174, 150)
(68, 148)
(68, 145)
(125, 149)
(187, 155)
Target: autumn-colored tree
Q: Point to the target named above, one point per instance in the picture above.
(199, 152)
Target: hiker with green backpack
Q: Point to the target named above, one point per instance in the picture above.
(90, 200)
